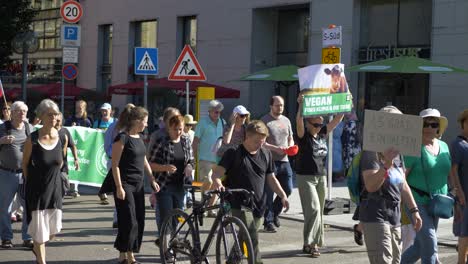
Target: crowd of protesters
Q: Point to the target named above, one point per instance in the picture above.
(394, 217)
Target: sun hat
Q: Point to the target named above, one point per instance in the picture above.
(106, 106)
(188, 119)
(241, 110)
(391, 109)
(432, 112)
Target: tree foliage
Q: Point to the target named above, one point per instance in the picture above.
(15, 17)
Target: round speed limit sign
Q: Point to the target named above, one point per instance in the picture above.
(71, 11)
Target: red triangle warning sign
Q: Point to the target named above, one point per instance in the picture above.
(187, 67)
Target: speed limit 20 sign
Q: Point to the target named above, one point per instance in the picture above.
(71, 11)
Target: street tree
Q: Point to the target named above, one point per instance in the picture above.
(16, 17)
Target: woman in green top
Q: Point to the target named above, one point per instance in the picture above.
(426, 175)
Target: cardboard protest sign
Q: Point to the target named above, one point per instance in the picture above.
(383, 130)
(325, 89)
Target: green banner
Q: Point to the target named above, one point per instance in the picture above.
(322, 104)
(91, 155)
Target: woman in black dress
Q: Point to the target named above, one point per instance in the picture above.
(42, 160)
(128, 168)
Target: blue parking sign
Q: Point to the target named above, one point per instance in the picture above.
(71, 35)
(146, 61)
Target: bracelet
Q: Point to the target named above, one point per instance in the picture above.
(414, 210)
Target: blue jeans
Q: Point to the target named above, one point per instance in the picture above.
(425, 243)
(9, 184)
(166, 200)
(283, 173)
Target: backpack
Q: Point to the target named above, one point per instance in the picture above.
(354, 181)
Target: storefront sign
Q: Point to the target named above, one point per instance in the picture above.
(380, 53)
(385, 130)
(325, 89)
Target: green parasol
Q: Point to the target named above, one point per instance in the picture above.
(284, 73)
(405, 64)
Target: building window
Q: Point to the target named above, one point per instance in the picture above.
(105, 57)
(390, 29)
(188, 29)
(293, 36)
(146, 34)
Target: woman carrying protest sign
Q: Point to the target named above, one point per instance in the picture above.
(311, 175)
(379, 208)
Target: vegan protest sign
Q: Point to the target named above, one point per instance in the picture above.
(383, 130)
(325, 89)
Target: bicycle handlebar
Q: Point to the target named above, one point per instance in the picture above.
(228, 191)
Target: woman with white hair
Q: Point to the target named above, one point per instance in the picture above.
(383, 174)
(427, 175)
(42, 161)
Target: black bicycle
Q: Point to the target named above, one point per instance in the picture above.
(180, 233)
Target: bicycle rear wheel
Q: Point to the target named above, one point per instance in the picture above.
(177, 239)
(233, 243)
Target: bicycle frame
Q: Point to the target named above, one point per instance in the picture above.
(197, 218)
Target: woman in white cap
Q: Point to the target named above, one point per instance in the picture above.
(234, 134)
(427, 175)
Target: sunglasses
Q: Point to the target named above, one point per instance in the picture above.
(432, 125)
(243, 116)
(316, 125)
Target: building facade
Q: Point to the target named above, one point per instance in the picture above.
(234, 38)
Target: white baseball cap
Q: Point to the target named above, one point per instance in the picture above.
(241, 110)
(106, 106)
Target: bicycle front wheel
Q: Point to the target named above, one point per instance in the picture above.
(177, 239)
(233, 243)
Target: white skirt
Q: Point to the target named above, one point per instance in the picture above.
(45, 223)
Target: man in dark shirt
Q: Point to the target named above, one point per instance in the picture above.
(250, 166)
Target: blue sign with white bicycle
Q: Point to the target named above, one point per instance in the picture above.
(146, 61)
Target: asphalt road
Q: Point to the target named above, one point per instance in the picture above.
(87, 237)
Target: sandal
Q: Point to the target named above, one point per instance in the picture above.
(307, 249)
(358, 236)
(315, 252)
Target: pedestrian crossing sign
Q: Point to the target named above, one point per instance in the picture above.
(187, 67)
(146, 61)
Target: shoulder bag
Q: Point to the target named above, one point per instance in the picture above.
(440, 205)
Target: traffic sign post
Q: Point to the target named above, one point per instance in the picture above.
(146, 63)
(71, 35)
(70, 55)
(187, 68)
(69, 72)
(71, 11)
(331, 55)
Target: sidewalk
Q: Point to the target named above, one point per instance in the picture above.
(344, 221)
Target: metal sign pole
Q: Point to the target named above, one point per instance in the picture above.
(145, 91)
(25, 70)
(330, 162)
(187, 96)
(62, 99)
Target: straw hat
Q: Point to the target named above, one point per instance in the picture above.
(432, 112)
(188, 119)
